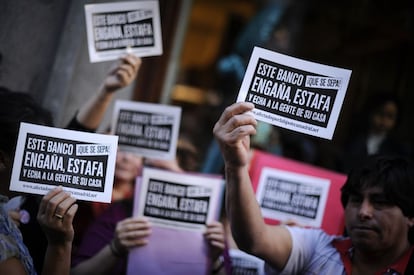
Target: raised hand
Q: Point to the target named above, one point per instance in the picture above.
(130, 233)
(122, 73)
(55, 216)
(233, 131)
(216, 239)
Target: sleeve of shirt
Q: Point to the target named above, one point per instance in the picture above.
(99, 233)
(11, 243)
(8, 248)
(74, 124)
(306, 243)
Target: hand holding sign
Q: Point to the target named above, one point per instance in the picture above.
(232, 132)
(130, 233)
(215, 238)
(122, 73)
(56, 212)
(180, 206)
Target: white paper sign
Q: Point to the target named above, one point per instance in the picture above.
(295, 94)
(284, 196)
(82, 163)
(171, 199)
(147, 129)
(243, 263)
(114, 29)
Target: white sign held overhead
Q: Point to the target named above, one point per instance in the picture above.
(295, 94)
(114, 29)
(82, 163)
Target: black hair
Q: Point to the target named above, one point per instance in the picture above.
(394, 174)
(16, 107)
(187, 155)
(379, 99)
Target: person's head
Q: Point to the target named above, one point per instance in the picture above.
(384, 112)
(16, 107)
(187, 155)
(186, 158)
(127, 166)
(379, 205)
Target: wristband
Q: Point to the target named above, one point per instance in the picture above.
(115, 251)
(218, 265)
(24, 216)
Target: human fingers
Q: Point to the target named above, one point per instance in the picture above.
(215, 238)
(64, 231)
(55, 210)
(47, 197)
(69, 208)
(59, 204)
(132, 60)
(235, 109)
(235, 123)
(132, 224)
(134, 242)
(15, 216)
(215, 234)
(232, 132)
(134, 237)
(128, 68)
(132, 232)
(121, 74)
(56, 216)
(217, 244)
(125, 73)
(214, 226)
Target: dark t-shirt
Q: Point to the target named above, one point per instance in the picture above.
(101, 232)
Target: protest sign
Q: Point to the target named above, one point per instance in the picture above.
(295, 94)
(114, 29)
(147, 129)
(178, 205)
(289, 190)
(246, 264)
(83, 163)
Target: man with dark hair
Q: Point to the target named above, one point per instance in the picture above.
(379, 213)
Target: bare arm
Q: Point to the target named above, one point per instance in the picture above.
(102, 263)
(271, 243)
(12, 266)
(58, 230)
(129, 233)
(122, 74)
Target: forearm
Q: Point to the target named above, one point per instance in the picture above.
(91, 114)
(243, 211)
(57, 259)
(102, 263)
